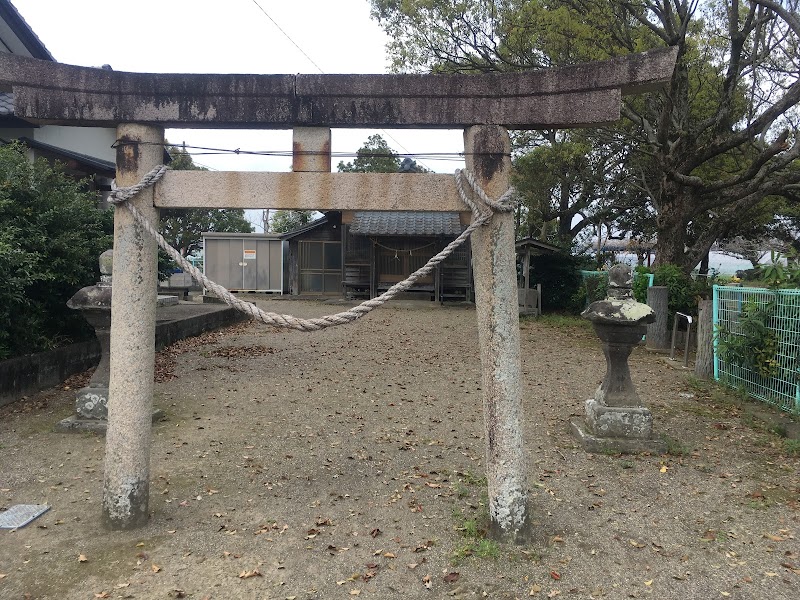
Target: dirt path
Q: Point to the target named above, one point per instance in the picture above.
(350, 463)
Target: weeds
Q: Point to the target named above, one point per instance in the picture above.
(479, 548)
(676, 447)
(792, 447)
(564, 322)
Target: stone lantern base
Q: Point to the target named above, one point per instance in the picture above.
(91, 412)
(621, 429)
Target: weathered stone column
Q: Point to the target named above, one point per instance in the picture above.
(704, 360)
(658, 331)
(126, 486)
(311, 149)
(494, 266)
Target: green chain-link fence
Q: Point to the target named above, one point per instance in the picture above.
(757, 343)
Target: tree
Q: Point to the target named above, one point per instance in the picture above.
(284, 221)
(183, 228)
(719, 140)
(51, 236)
(375, 156)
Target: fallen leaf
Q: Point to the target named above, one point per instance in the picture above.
(636, 544)
(388, 555)
(375, 532)
(355, 592)
(82, 558)
(555, 575)
(426, 581)
(770, 574)
(663, 469)
(102, 595)
(649, 582)
(535, 590)
(121, 585)
(249, 574)
(558, 539)
(155, 568)
(451, 577)
(775, 538)
(553, 593)
(725, 593)
(412, 566)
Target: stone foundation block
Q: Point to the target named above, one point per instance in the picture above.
(618, 421)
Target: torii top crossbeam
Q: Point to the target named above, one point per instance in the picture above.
(588, 94)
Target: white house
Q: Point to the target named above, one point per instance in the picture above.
(86, 152)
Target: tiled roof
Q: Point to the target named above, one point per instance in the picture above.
(95, 164)
(6, 103)
(406, 223)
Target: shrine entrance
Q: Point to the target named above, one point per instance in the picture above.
(141, 105)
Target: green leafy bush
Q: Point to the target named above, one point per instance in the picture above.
(752, 343)
(51, 236)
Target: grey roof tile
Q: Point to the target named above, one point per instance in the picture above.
(406, 223)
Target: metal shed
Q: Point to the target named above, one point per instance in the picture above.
(244, 262)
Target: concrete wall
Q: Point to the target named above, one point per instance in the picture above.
(93, 141)
(34, 372)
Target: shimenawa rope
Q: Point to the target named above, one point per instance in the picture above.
(482, 214)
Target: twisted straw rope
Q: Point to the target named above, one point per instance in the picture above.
(482, 214)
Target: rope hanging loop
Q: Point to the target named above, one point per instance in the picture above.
(466, 185)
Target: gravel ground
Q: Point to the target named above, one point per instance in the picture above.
(349, 462)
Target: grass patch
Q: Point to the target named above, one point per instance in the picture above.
(558, 321)
(676, 447)
(791, 447)
(469, 478)
(474, 529)
(479, 548)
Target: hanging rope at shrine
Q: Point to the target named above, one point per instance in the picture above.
(481, 212)
(401, 250)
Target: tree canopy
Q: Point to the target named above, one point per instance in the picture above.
(693, 162)
(375, 156)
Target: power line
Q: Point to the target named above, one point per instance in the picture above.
(311, 60)
(288, 37)
(209, 151)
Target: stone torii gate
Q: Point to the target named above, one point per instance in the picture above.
(142, 105)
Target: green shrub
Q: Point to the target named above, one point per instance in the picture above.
(683, 291)
(641, 281)
(51, 236)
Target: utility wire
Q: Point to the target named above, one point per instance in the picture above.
(311, 60)
(288, 37)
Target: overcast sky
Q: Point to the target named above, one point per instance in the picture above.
(235, 36)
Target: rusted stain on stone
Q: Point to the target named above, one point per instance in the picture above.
(311, 149)
(127, 154)
(490, 153)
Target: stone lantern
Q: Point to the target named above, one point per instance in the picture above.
(91, 402)
(616, 420)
